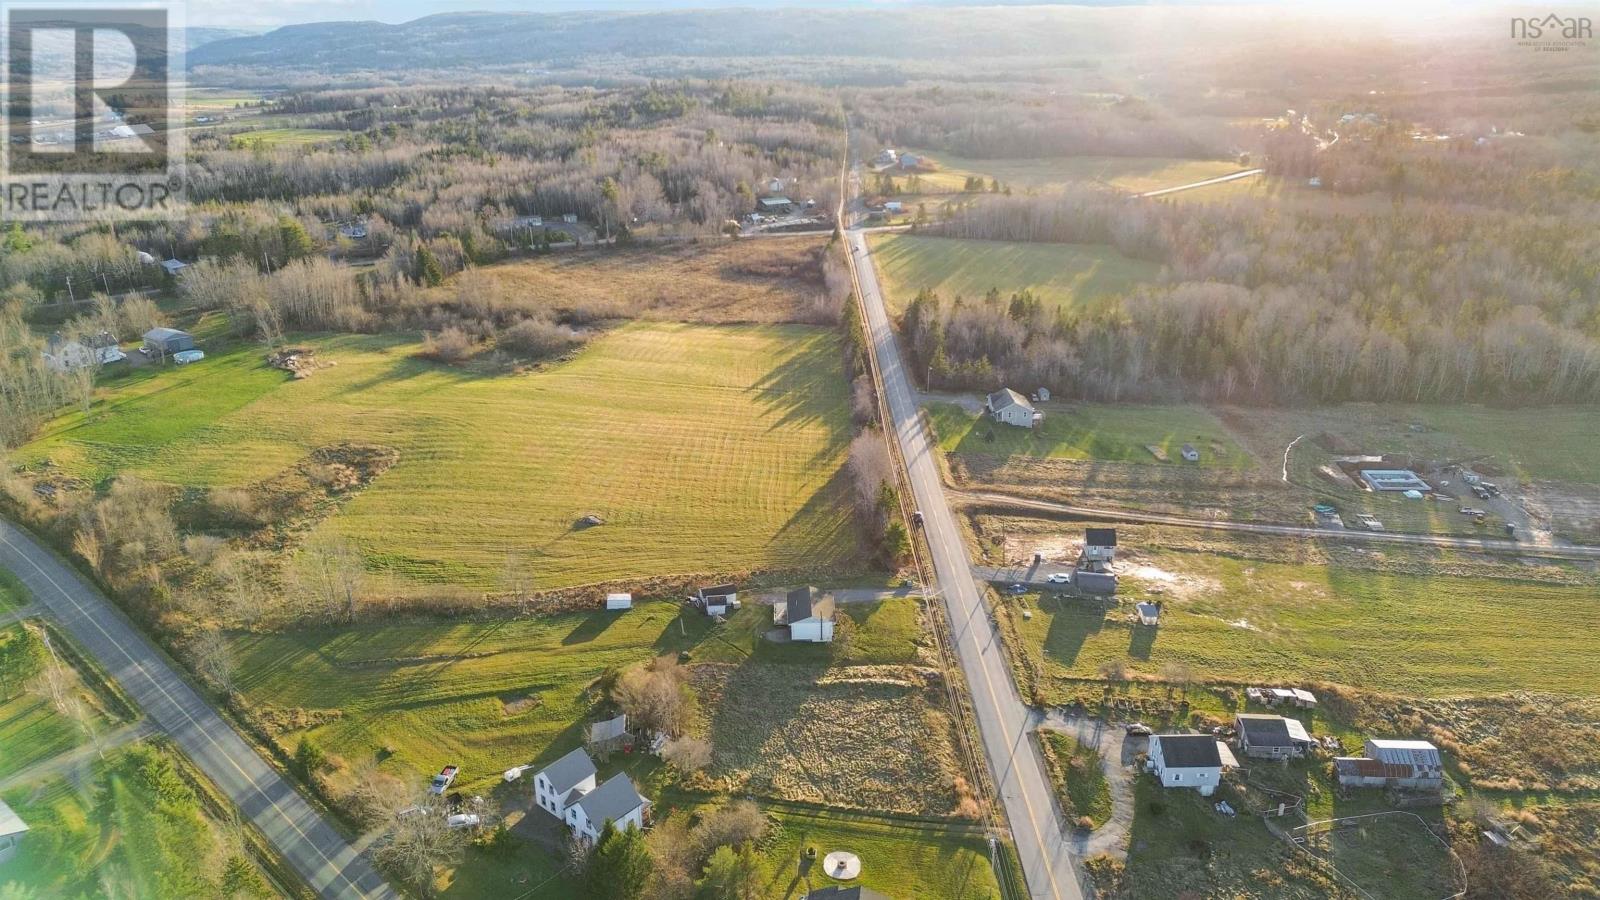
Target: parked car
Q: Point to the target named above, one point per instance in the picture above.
(1059, 578)
(184, 357)
(463, 820)
(916, 517)
(1018, 589)
(443, 780)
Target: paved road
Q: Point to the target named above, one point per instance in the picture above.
(1442, 541)
(1247, 173)
(1003, 720)
(318, 852)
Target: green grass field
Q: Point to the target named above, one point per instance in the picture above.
(31, 730)
(204, 100)
(287, 137)
(131, 828)
(900, 859)
(1070, 276)
(704, 449)
(1075, 769)
(1130, 173)
(1092, 431)
(1242, 620)
(12, 594)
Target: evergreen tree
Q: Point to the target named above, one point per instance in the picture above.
(297, 244)
(731, 875)
(428, 272)
(619, 866)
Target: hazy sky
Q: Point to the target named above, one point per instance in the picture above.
(232, 14)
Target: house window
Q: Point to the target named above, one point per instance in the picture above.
(1177, 776)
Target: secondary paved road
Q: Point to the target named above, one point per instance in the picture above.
(318, 852)
(1443, 541)
(1003, 720)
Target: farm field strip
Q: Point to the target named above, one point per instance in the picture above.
(702, 449)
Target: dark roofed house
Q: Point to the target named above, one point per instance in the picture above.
(1270, 737)
(1188, 761)
(807, 618)
(1099, 546)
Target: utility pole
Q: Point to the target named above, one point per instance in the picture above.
(72, 299)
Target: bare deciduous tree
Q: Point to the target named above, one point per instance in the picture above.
(687, 754)
(330, 571)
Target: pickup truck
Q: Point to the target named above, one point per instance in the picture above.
(443, 780)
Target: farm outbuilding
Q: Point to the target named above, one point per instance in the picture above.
(1189, 453)
(619, 601)
(1393, 763)
(716, 600)
(1271, 737)
(166, 341)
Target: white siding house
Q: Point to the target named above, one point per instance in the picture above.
(617, 801)
(64, 354)
(1011, 408)
(1192, 761)
(716, 600)
(562, 782)
(808, 620)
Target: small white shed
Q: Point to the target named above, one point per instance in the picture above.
(12, 828)
(619, 601)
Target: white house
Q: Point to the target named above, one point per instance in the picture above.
(11, 830)
(616, 801)
(1012, 408)
(775, 185)
(1099, 547)
(563, 782)
(1189, 761)
(716, 600)
(808, 620)
(67, 354)
(619, 601)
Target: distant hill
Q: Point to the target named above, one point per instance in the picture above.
(496, 39)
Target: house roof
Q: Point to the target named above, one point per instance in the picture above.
(164, 334)
(1410, 753)
(1100, 537)
(10, 822)
(173, 265)
(797, 605)
(1263, 731)
(1369, 768)
(612, 800)
(565, 773)
(1006, 398)
(1189, 751)
(1297, 731)
(775, 201)
(721, 590)
(1095, 582)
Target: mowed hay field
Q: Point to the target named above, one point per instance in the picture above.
(703, 449)
(1069, 276)
(1135, 174)
(1245, 620)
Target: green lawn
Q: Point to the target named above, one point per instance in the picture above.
(1070, 276)
(484, 695)
(31, 730)
(703, 449)
(1080, 784)
(12, 594)
(1243, 620)
(903, 860)
(133, 828)
(1091, 431)
(1130, 173)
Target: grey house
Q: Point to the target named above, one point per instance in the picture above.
(1271, 737)
(1012, 408)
